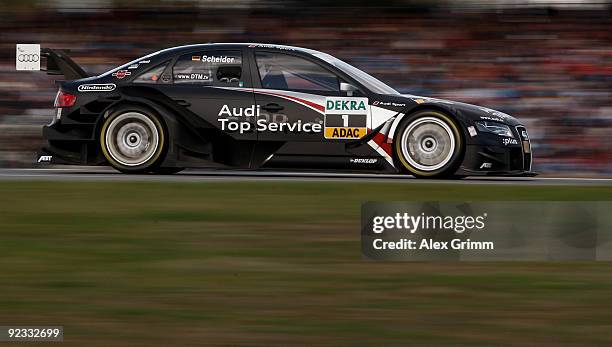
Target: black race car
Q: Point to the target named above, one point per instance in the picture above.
(257, 106)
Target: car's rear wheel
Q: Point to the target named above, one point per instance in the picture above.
(429, 144)
(133, 140)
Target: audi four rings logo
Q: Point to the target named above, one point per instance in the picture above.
(28, 57)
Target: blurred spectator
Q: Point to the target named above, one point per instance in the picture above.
(550, 67)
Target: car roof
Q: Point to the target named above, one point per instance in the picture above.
(177, 49)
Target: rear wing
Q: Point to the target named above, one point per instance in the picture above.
(54, 61)
(59, 63)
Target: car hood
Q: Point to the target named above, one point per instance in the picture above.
(467, 111)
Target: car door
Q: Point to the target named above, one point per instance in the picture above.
(215, 85)
(301, 103)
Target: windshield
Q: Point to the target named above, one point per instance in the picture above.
(372, 83)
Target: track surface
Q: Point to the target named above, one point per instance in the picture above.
(108, 174)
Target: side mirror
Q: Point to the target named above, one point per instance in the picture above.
(348, 88)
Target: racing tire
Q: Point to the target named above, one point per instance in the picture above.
(133, 139)
(429, 144)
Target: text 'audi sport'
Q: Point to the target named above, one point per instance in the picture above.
(258, 106)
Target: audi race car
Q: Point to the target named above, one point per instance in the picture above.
(258, 106)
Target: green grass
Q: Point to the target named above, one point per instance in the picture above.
(160, 264)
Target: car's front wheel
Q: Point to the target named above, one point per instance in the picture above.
(133, 140)
(429, 144)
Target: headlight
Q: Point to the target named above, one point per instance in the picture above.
(495, 128)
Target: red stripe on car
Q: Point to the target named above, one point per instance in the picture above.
(321, 108)
(381, 140)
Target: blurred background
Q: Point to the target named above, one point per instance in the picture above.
(278, 262)
(548, 63)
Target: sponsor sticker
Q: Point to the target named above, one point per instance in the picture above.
(45, 158)
(27, 57)
(384, 103)
(364, 160)
(472, 131)
(192, 76)
(494, 113)
(221, 59)
(131, 67)
(227, 111)
(239, 119)
(121, 74)
(345, 133)
(107, 87)
(346, 118)
(509, 141)
(286, 48)
(346, 105)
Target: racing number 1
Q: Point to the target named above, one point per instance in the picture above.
(345, 121)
